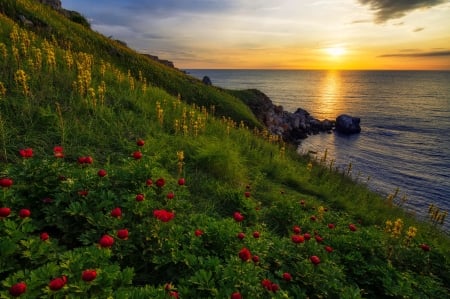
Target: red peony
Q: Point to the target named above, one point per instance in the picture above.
(160, 182)
(241, 236)
(5, 212)
(247, 194)
(313, 218)
(352, 227)
(149, 182)
(275, 287)
(57, 283)
(140, 197)
(116, 212)
(331, 225)
(329, 248)
(174, 294)
(88, 275)
(319, 239)
(267, 284)
(137, 155)
(122, 234)
(307, 236)
(198, 232)
(102, 173)
(18, 289)
(83, 192)
(163, 215)
(297, 239)
(287, 276)
(181, 181)
(88, 160)
(244, 254)
(44, 236)
(425, 247)
(140, 142)
(24, 213)
(236, 295)
(26, 153)
(106, 241)
(256, 235)
(170, 195)
(255, 259)
(315, 260)
(58, 151)
(6, 182)
(238, 217)
(297, 230)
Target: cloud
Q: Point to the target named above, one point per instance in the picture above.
(418, 29)
(443, 53)
(393, 9)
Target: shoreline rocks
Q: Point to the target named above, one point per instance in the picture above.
(347, 124)
(293, 127)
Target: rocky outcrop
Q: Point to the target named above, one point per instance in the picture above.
(55, 4)
(206, 80)
(347, 124)
(163, 61)
(293, 127)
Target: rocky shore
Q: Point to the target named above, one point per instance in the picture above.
(292, 126)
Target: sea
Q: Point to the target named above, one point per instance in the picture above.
(404, 144)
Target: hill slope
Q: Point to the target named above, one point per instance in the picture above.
(115, 186)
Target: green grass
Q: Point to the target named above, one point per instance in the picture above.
(126, 97)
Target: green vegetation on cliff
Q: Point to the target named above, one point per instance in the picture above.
(123, 178)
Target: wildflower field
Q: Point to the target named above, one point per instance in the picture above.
(123, 178)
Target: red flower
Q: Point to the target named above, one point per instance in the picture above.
(256, 235)
(319, 239)
(24, 213)
(102, 173)
(6, 182)
(137, 155)
(106, 241)
(297, 230)
(238, 217)
(57, 283)
(174, 294)
(170, 195)
(140, 197)
(116, 212)
(275, 287)
(236, 295)
(160, 182)
(287, 276)
(83, 192)
(26, 153)
(425, 247)
(88, 160)
(44, 236)
(241, 236)
(245, 254)
(88, 275)
(297, 239)
(255, 259)
(58, 151)
(313, 218)
(122, 234)
(331, 225)
(247, 194)
(140, 142)
(352, 227)
(181, 181)
(198, 232)
(149, 182)
(163, 215)
(329, 248)
(5, 212)
(307, 236)
(315, 260)
(18, 289)
(267, 284)
(302, 202)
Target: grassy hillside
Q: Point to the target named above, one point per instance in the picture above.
(123, 178)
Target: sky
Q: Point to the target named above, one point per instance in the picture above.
(279, 34)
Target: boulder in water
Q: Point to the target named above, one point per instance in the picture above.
(347, 124)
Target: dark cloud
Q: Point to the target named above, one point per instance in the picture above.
(419, 54)
(418, 29)
(392, 9)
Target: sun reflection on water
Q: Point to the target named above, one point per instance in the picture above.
(329, 99)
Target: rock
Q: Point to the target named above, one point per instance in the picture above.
(347, 124)
(206, 81)
(55, 4)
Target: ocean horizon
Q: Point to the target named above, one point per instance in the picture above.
(404, 144)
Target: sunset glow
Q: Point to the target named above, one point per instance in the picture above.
(286, 34)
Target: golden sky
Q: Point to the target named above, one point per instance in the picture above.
(282, 34)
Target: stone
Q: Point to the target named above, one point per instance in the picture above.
(347, 124)
(206, 81)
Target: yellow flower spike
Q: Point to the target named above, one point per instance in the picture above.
(309, 166)
(2, 90)
(3, 51)
(388, 226)
(411, 233)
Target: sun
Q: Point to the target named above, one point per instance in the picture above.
(335, 51)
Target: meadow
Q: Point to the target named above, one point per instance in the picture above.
(124, 178)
